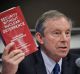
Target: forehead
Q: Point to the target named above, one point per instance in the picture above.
(60, 24)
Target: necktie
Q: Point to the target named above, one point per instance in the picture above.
(56, 69)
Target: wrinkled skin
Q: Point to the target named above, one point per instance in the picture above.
(56, 39)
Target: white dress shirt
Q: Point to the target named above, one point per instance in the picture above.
(49, 63)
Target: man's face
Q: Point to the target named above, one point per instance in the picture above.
(56, 39)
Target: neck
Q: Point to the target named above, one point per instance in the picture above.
(53, 57)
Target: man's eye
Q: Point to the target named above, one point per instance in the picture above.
(68, 32)
(56, 33)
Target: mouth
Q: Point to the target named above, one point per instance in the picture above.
(63, 48)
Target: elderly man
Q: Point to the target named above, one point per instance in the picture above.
(53, 33)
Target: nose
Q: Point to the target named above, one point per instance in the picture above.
(63, 37)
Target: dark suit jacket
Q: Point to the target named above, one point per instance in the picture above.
(34, 64)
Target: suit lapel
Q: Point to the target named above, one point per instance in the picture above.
(40, 69)
(66, 69)
(68, 65)
(39, 66)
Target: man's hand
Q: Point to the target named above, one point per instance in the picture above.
(11, 59)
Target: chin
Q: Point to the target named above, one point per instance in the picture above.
(63, 55)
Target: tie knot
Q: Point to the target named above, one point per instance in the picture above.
(56, 69)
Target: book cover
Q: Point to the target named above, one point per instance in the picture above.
(14, 28)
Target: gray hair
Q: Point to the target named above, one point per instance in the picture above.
(49, 14)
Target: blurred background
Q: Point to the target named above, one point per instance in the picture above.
(32, 9)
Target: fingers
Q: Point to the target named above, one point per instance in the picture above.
(14, 55)
(15, 52)
(19, 57)
(7, 48)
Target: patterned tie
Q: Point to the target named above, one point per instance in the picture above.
(56, 69)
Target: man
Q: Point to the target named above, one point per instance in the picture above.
(53, 33)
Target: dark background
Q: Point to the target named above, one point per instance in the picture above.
(32, 9)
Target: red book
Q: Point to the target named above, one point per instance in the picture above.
(14, 28)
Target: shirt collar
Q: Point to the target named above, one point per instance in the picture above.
(49, 63)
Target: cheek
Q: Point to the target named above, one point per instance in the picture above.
(50, 46)
(68, 42)
(49, 43)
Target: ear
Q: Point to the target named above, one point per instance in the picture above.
(39, 38)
